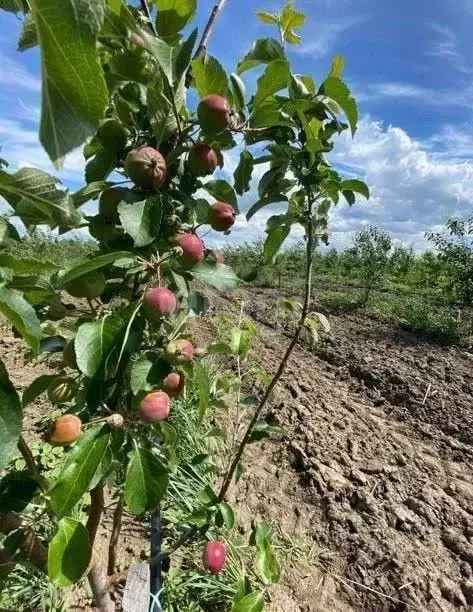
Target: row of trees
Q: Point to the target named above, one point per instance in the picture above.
(373, 261)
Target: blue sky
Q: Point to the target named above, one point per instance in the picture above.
(410, 65)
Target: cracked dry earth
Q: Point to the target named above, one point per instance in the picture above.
(379, 480)
(376, 479)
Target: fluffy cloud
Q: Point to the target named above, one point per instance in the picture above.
(413, 188)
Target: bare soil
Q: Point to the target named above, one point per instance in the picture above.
(375, 468)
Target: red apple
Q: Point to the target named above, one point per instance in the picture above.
(202, 159)
(213, 114)
(173, 384)
(146, 167)
(214, 556)
(159, 301)
(222, 216)
(180, 351)
(65, 430)
(154, 407)
(192, 248)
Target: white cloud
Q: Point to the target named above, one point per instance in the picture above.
(319, 39)
(412, 188)
(409, 92)
(447, 47)
(14, 77)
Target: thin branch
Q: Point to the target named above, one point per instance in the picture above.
(117, 525)
(97, 505)
(282, 366)
(28, 457)
(204, 41)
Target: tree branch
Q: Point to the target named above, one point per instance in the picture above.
(97, 505)
(204, 41)
(117, 525)
(282, 366)
(28, 457)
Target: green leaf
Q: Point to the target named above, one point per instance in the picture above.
(173, 16)
(336, 89)
(354, 185)
(68, 553)
(10, 417)
(160, 111)
(142, 220)
(220, 276)
(17, 489)
(21, 315)
(274, 241)
(36, 199)
(25, 265)
(203, 383)
(147, 372)
(209, 76)
(222, 191)
(227, 515)
(263, 430)
(7, 232)
(239, 91)
(243, 172)
(13, 6)
(95, 342)
(311, 131)
(338, 65)
(173, 59)
(36, 290)
(115, 5)
(86, 464)
(100, 166)
(272, 199)
(85, 267)
(267, 17)
(28, 35)
(74, 90)
(89, 192)
(264, 51)
(276, 77)
(290, 20)
(36, 388)
(146, 481)
(253, 602)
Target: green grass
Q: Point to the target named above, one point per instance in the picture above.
(47, 247)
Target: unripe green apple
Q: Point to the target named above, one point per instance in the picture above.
(213, 114)
(65, 430)
(113, 135)
(89, 286)
(62, 389)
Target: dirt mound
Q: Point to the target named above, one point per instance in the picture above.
(395, 512)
